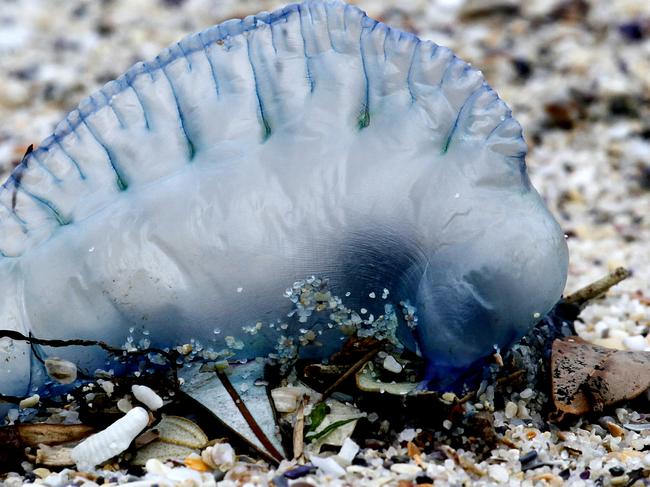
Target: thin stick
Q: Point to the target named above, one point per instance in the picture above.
(234, 395)
(352, 370)
(598, 288)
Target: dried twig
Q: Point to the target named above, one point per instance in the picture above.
(351, 371)
(598, 288)
(234, 395)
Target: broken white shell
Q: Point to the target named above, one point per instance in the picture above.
(180, 431)
(328, 465)
(161, 451)
(147, 396)
(286, 399)
(348, 451)
(112, 441)
(220, 456)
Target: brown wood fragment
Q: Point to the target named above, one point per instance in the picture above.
(54, 456)
(598, 288)
(587, 377)
(23, 435)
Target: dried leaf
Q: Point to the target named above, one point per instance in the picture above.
(623, 376)
(587, 377)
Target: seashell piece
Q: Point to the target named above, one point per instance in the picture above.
(180, 431)
(287, 399)
(219, 455)
(147, 396)
(161, 451)
(311, 141)
(110, 442)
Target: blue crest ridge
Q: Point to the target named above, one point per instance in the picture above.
(223, 34)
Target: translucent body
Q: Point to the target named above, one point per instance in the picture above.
(188, 194)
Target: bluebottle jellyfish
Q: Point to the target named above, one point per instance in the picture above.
(187, 195)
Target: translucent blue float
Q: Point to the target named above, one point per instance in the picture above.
(187, 195)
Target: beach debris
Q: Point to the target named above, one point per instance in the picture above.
(173, 438)
(162, 451)
(220, 456)
(112, 441)
(392, 365)
(331, 422)
(287, 399)
(242, 407)
(60, 370)
(54, 456)
(29, 402)
(367, 380)
(31, 435)
(328, 465)
(180, 431)
(597, 288)
(147, 396)
(587, 377)
(349, 450)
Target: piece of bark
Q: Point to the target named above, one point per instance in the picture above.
(56, 456)
(623, 376)
(22, 435)
(587, 377)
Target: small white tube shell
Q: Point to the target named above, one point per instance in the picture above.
(147, 396)
(112, 441)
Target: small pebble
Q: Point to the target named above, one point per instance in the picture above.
(299, 471)
(498, 473)
(511, 410)
(528, 457)
(348, 450)
(617, 471)
(615, 429)
(328, 465)
(405, 469)
(400, 459)
(41, 472)
(635, 343)
(526, 393)
(392, 365)
(646, 460)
